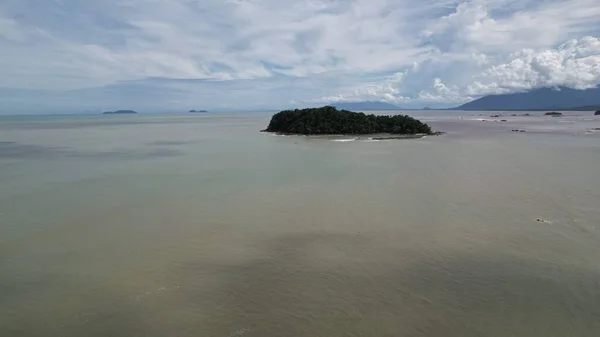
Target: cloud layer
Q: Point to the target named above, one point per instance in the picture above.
(245, 54)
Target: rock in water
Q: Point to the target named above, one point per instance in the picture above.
(553, 114)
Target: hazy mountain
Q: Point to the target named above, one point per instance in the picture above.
(561, 98)
(585, 108)
(119, 112)
(365, 106)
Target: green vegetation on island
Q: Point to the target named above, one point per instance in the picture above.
(119, 112)
(329, 120)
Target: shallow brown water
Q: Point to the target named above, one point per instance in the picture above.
(202, 226)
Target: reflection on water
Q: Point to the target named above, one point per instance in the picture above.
(202, 226)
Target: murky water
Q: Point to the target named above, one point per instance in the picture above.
(202, 226)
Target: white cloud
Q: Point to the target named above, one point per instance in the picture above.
(211, 39)
(384, 90)
(499, 26)
(441, 93)
(575, 64)
(444, 51)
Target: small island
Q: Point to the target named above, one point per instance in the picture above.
(553, 114)
(597, 113)
(197, 111)
(119, 112)
(329, 120)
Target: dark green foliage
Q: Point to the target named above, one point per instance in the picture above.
(329, 120)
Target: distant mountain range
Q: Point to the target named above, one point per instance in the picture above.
(585, 108)
(365, 106)
(560, 98)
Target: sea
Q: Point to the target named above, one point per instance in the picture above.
(200, 225)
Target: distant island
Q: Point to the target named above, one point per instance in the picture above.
(556, 99)
(119, 112)
(365, 106)
(328, 120)
(196, 111)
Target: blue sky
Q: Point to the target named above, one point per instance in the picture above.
(176, 55)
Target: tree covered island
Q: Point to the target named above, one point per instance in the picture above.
(330, 121)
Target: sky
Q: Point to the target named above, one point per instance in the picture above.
(177, 55)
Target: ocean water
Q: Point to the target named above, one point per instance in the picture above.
(199, 225)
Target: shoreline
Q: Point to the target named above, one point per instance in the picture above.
(376, 136)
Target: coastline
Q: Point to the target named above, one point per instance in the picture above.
(375, 136)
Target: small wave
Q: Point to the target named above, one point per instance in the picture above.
(344, 140)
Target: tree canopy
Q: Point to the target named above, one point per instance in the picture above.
(329, 120)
